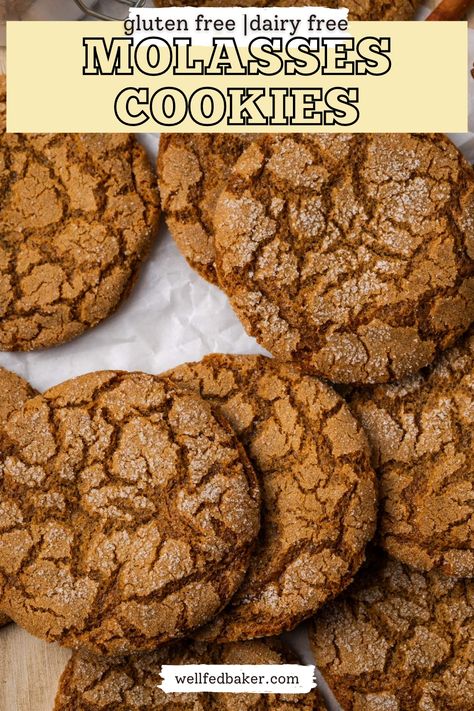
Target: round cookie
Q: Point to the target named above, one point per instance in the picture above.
(358, 9)
(192, 170)
(78, 214)
(398, 640)
(422, 436)
(350, 253)
(131, 683)
(129, 512)
(15, 391)
(318, 489)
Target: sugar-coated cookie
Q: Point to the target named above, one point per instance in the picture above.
(318, 488)
(14, 392)
(353, 254)
(78, 214)
(398, 640)
(91, 683)
(422, 436)
(192, 170)
(128, 513)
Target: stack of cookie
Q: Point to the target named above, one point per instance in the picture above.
(227, 501)
(401, 636)
(350, 254)
(131, 517)
(129, 509)
(352, 257)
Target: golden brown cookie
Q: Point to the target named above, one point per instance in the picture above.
(318, 489)
(358, 9)
(353, 254)
(422, 436)
(14, 392)
(131, 683)
(192, 170)
(78, 214)
(398, 640)
(128, 513)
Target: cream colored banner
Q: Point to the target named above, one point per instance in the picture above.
(424, 90)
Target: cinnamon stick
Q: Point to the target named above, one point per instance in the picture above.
(450, 10)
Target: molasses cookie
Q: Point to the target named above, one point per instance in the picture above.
(192, 171)
(318, 489)
(77, 217)
(129, 511)
(398, 640)
(353, 254)
(15, 391)
(91, 683)
(358, 9)
(422, 436)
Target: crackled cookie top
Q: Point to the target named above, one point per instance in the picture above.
(127, 513)
(91, 683)
(77, 217)
(351, 253)
(14, 392)
(422, 436)
(398, 640)
(358, 9)
(319, 500)
(192, 169)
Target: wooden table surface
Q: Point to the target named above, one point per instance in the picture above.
(29, 671)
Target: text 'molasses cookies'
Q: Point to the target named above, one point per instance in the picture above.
(233, 498)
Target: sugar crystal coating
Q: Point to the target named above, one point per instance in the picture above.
(78, 213)
(192, 169)
(353, 254)
(318, 488)
(14, 392)
(127, 513)
(421, 432)
(398, 640)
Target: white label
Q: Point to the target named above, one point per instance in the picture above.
(238, 678)
(205, 25)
